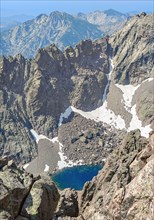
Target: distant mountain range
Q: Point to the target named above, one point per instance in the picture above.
(107, 21)
(59, 28)
(12, 21)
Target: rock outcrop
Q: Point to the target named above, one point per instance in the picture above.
(68, 204)
(124, 188)
(24, 197)
(133, 50)
(133, 56)
(41, 201)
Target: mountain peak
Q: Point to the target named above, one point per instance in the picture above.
(112, 12)
(41, 16)
(59, 14)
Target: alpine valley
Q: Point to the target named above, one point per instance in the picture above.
(86, 104)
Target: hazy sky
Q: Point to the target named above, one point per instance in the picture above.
(35, 7)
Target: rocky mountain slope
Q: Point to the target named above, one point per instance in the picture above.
(12, 21)
(108, 21)
(122, 190)
(58, 89)
(133, 51)
(59, 28)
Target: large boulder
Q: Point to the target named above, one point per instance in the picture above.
(12, 192)
(68, 204)
(42, 200)
(5, 215)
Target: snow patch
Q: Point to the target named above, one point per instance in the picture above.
(105, 115)
(137, 124)
(38, 137)
(102, 113)
(46, 168)
(35, 135)
(148, 80)
(64, 162)
(25, 166)
(55, 139)
(63, 159)
(128, 93)
(66, 114)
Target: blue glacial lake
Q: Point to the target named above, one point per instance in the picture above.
(75, 177)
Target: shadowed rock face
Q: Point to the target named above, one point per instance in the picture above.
(35, 92)
(133, 50)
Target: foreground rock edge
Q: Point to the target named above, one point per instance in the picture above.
(123, 189)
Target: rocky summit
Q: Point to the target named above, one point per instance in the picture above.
(88, 104)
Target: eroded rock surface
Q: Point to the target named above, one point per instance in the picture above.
(68, 204)
(41, 201)
(133, 50)
(33, 93)
(124, 188)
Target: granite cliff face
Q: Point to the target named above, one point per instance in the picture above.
(82, 83)
(133, 56)
(35, 92)
(124, 188)
(133, 50)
